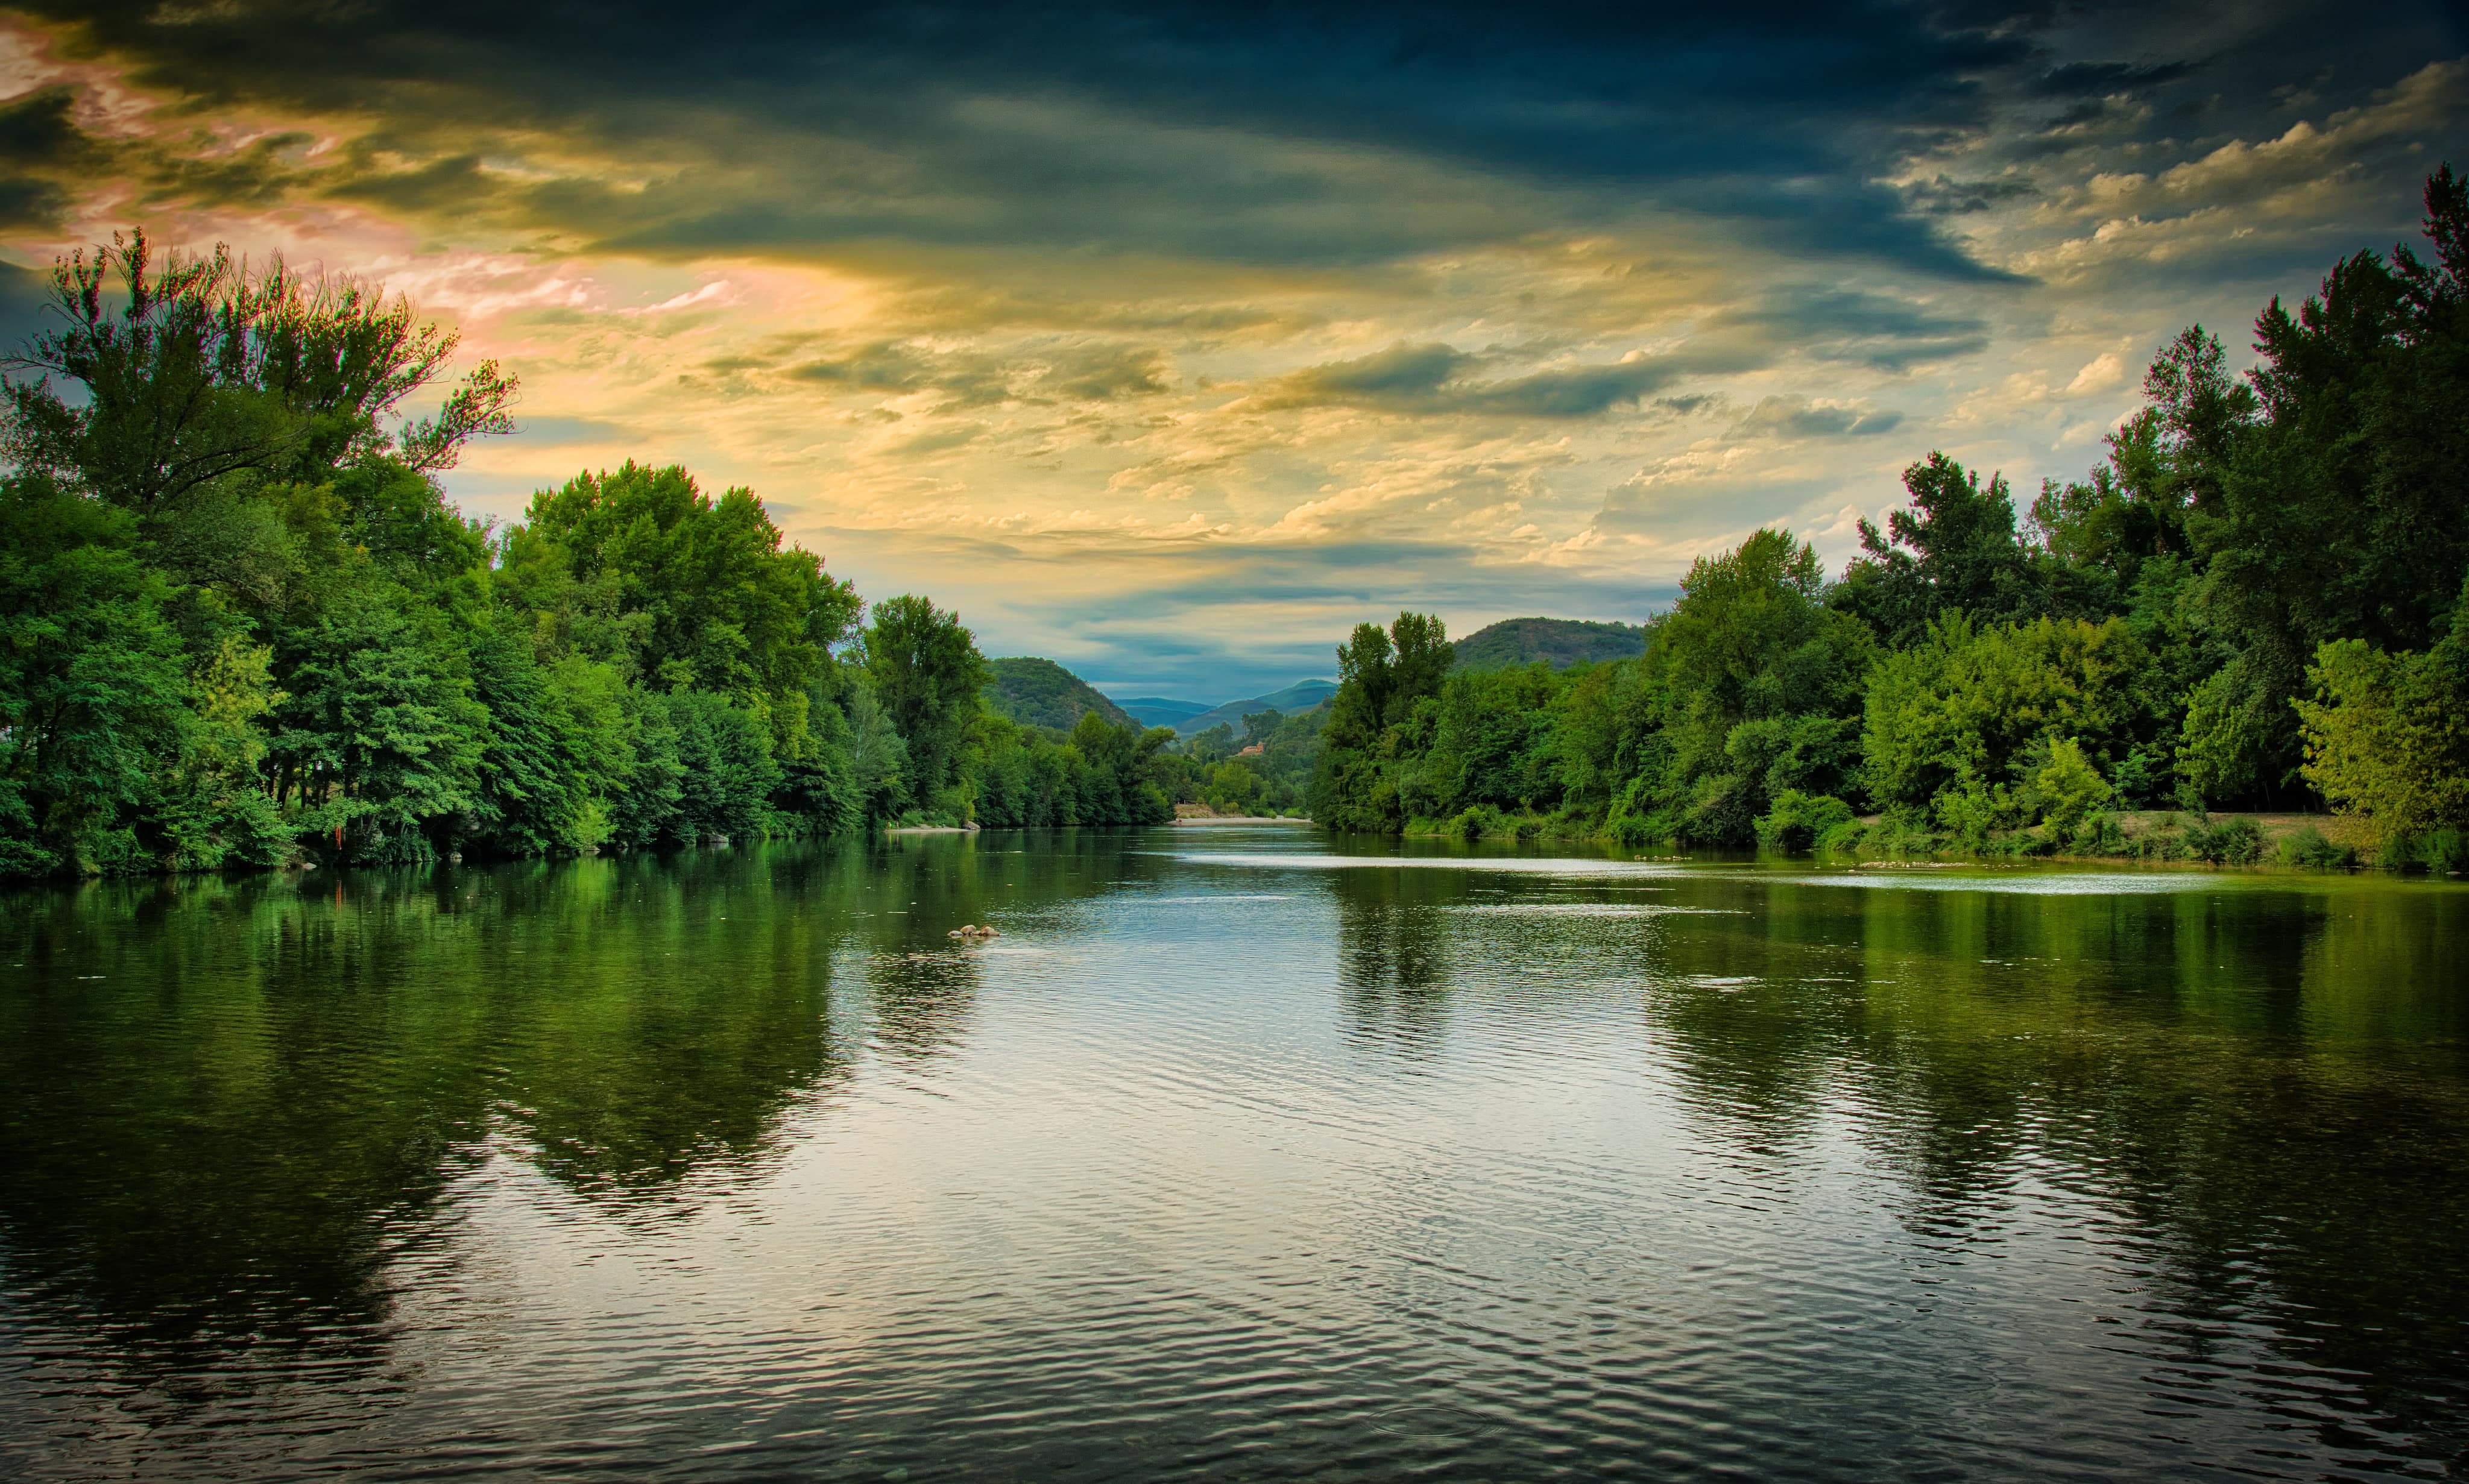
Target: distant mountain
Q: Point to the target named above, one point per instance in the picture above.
(1302, 696)
(1562, 641)
(1158, 711)
(1041, 693)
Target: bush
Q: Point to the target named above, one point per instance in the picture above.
(2306, 846)
(2233, 842)
(2098, 834)
(2443, 852)
(2068, 787)
(1474, 823)
(1972, 809)
(1798, 820)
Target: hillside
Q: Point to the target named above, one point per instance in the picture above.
(1041, 693)
(1302, 696)
(1157, 710)
(1562, 641)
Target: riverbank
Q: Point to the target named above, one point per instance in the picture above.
(2145, 836)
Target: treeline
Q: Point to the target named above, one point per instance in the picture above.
(240, 624)
(2253, 602)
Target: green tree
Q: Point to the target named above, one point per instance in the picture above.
(92, 690)
(1979, 705)
(1388, 682)
(378, 733)
(2388, 735)
(1750, 686)
(199, 370)
(926, 673)
(1955, 549)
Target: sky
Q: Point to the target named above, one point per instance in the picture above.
(1170, 341)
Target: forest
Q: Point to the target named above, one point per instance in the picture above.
(2255, 603)
(240, 624)
(243, 626)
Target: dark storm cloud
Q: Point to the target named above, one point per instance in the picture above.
(42, 152)
(1852, 325)
(1943, 197)
(1439, 379)
(1021, 125)
(2095, 79)
(1088, 373)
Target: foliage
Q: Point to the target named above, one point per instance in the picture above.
(1102, 773)
(1799, 821)
(1979, 703)
(1041, 693)
(1388, 683)
(197, 370)
(240, 623)
(927, 672)
(1750, 689)
(2307, 846)
(2388, 735)
(1558, 642)
(2066, 789)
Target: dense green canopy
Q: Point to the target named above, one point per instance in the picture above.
(2253, 602)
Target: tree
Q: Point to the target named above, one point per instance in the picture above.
(1953, 549)
(201, 369)
(926, 673)
(1387, 681)
(380, 731)
(2388, 735)
(640, 565)
(1988, 704)
(1751, 684)
(91, 684)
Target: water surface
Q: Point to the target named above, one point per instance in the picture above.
(1240, 1154)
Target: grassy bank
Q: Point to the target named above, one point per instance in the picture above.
(2316, 841)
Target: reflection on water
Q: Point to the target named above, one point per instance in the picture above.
(1261, 1156)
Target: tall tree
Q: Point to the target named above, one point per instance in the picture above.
(1954, 548)
(925, 673)
(197, 369)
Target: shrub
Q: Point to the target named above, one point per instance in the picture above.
(2068, 788)
(2444, 852)
(2233, 842)
(1972, 809)
(2306, 846)
(2388, 735)
(1798, 820)
(2098, 834)
(1475, 822)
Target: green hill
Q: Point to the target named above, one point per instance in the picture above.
(1041, 693)
(1562, 641)
(1301, 696)
(1157, 710)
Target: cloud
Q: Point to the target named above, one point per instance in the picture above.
(2100, 78)
(1291, 135)
(1784, 417)
(1439, 380)
(1856, 324)
(2102, 372)
(1173, 340)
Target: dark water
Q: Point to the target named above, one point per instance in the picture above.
(1233, 1157)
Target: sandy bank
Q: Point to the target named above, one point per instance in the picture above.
(1237, 819)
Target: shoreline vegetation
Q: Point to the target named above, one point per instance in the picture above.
(2256, 604)
(242, 628)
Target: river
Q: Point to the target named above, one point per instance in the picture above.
(1241, 1152)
